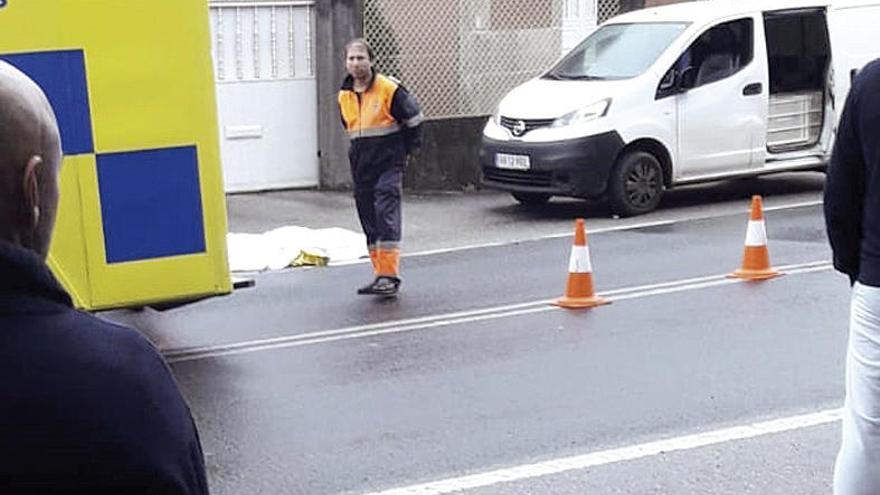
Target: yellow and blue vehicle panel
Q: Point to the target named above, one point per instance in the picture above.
(142, 216)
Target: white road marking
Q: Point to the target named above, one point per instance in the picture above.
(612, 456)
(461, 317)
(789, 206)
(614, 228)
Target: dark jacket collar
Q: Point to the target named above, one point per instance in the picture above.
(22, 272)
(348, 82)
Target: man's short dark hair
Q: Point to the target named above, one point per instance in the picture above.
(362, 42)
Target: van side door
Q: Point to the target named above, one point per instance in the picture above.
(722, 100)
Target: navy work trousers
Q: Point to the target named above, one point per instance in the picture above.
(378, 206)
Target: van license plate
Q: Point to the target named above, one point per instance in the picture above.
(512, 162)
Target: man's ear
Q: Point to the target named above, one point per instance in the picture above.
(31, 188)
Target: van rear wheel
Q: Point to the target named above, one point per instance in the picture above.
(636, 184)
(531, 199)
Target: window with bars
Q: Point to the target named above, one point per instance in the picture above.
(266, 40)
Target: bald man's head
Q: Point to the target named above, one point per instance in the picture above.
(30, 157)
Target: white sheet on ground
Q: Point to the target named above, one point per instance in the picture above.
(276, 249)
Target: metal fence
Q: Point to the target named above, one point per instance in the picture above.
(459, 57)
(606, 9)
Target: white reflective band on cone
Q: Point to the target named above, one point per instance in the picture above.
(756, 235)
(580, 260)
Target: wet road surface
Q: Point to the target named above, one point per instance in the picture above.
(300, 386)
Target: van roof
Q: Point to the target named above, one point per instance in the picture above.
(707, 10)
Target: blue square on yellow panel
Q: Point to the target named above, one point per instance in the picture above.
(62, 76)
(151, 204)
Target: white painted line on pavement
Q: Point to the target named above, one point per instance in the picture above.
(657, 223)
(461, 317)
(790, 206)
(408, 321)
(606, 457)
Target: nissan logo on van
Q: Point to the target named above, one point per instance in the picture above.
(518, 129)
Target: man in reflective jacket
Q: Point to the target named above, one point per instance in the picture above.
(383, 122)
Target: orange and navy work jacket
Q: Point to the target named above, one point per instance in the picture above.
(383, 123)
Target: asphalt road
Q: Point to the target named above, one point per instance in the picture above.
(471, 382)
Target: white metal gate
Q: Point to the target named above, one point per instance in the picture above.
(266, 93)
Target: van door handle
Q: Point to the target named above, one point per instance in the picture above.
(753, 89)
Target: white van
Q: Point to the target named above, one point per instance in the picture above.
(679, 94)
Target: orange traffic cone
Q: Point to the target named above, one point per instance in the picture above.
(756, 257)
(579, 289)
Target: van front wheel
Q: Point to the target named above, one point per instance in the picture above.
(636, 184)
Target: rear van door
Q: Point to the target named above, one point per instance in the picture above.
(853, 29)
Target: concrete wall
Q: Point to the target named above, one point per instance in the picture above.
(629, 5)
(337, 22)
(448, 159)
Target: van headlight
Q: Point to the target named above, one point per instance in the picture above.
(496, 116)
(586, 114)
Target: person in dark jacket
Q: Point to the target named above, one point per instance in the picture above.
(383, 122)
(852, 217)
(86, 406)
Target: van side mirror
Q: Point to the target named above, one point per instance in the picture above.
(688, 78)
(669, 81)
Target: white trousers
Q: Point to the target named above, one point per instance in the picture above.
(857, 470)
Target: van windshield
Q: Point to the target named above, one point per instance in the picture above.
(616, 51)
